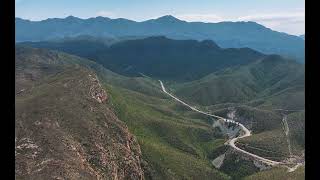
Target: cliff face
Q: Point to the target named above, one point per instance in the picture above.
(65, 129)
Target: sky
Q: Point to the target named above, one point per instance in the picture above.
(281, 15)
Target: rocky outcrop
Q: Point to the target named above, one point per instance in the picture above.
(65, 129)
(96, 91)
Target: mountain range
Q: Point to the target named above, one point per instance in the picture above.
(157, 57)
(76, 118)
(88, 103)
(225, 34)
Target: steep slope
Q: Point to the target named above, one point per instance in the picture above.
(65, 127)
(174, 143)
(64, 131)
(226, 34)
(262, 82)
(253, 93)
(170, 136)
(269, 144)
(159, 57)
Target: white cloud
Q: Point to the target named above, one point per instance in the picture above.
(289, 22)
(201, 17)
(280, 17)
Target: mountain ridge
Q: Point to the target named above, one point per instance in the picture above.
(67, 132)
(164, 129)
(263, 78)
(159, 57)
(225, 34)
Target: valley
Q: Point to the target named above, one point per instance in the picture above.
(226, 123)
(246, 132)
(159, 90)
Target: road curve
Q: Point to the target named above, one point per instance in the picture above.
(232, 141)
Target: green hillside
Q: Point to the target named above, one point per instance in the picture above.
(279, 174)
(296, 123)
(169, 140)
(157, 57)
(268, 81)
(175, 142)
(64, 127)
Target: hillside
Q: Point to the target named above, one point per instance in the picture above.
(268, 81)
(69, 104)
(296, 123)
(158, 57)
(276, 173)
(253, 92)
(65, 127)
(82, 45)
(168, 135)
(226, 34)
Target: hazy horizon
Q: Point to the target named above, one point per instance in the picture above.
(84, 18)
(284, 16)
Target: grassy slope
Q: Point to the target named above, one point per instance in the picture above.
(170, 136)
(237, 167)
(158, 57)
(270, 80)
(268, 139)
(269, 144)
(292, 98)
(174, 145)
(73, 133)
(278, 174)
(296, 123)
(267, 84)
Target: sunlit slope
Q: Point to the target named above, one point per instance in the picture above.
(271, 80)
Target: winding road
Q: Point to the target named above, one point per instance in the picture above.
(231, 142)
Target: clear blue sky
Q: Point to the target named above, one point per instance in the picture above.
(281, 15)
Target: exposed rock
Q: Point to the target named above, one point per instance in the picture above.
(217, 162)
(96, 91)
(65, 130)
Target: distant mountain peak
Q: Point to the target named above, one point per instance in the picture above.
(168, 18)
(101, 17)
(69, 19)
(72, 17)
